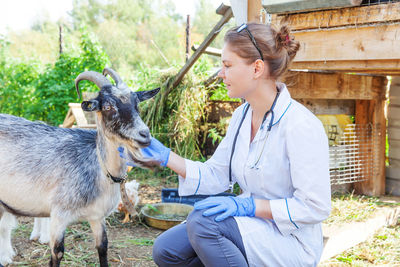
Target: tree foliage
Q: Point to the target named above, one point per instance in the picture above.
(43, 93)
(143, 40)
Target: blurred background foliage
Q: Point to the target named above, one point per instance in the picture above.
(144, 41)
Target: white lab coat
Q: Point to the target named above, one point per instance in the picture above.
(293, 174)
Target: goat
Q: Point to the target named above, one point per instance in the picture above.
(71, 175)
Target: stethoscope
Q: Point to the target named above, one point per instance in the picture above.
(255, 165)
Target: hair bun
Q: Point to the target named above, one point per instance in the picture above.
(285, 40)
(283, 37)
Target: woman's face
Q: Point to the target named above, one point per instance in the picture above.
(237, 75)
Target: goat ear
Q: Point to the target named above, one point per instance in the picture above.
(144, 95)
(90, 105)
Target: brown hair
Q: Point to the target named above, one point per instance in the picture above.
(278, 47)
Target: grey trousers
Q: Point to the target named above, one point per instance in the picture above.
(201, 241)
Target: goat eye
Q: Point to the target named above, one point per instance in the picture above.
(106, 107)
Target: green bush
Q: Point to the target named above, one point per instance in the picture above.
(44, 95)
(56, 88)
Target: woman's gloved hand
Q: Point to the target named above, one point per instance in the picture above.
(155, 151)
(228, 206)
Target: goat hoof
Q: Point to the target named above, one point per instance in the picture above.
(6, 258)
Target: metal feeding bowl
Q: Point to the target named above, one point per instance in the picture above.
(165, 215)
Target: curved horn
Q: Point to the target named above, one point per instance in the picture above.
(92, 76)
(118, 81)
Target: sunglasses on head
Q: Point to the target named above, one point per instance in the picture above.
(244, 27)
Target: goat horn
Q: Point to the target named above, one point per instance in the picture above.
(118, 81)
(92, 76)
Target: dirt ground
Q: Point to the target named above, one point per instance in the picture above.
(130, 244)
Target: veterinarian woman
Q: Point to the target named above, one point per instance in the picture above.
(275, 149)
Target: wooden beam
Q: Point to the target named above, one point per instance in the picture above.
(378, 67)
(253, 10)
(209, 50)
(210, 37)
(329, 106)
(309, 85)
(380, 42)
(349, 48)
(383, 13)
(372, 112)
(285, 6)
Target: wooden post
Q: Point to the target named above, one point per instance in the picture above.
(210, 37)
(187, 37)
(253, 10)
(60, 39)
(372, 112)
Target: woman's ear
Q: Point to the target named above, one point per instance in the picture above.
(259, 68)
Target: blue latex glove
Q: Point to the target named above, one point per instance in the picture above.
(155, 151)
(228, 206)
(122, 155)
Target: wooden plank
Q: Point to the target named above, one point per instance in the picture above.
(393, 186)
(209, 50)
(210, 37)
(394, 113)
(379, 67)
(393, 133)
(383, 13)
(69, 120)
(253, 10)
(78, 114)
(394, 152)
(395, 83)
(394, 162)
(329, 106)
(372, 111)
(393, 123)
(380, 42)
(395, 100)
(393, 172)
(223, 7)
(287, 6)
(334, 86)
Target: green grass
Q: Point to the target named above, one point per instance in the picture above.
(350, 208)
(383, 249)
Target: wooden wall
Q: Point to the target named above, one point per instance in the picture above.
(393, 171)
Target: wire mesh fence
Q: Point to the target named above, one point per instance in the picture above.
(354, 153)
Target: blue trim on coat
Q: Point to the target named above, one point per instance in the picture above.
(197, 189)
(290, 218)
(282, 114)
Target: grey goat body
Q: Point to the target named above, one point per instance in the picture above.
(51, 157)
(69, 174)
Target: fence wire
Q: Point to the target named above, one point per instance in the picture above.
(353, 154)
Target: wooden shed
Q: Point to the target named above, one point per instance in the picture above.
(348, 50)
(348, 53)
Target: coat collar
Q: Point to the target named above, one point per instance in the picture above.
(283, 103)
